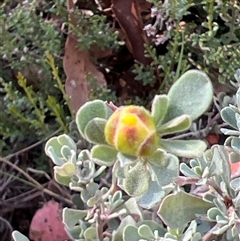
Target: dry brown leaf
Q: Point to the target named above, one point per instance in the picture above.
(127, 13)
(77, 64)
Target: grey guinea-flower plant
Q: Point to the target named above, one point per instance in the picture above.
(133, 147)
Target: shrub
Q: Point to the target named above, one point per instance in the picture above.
(151, 203)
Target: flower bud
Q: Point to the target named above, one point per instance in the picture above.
(131, 130)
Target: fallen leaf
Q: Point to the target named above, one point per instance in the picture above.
(47, 224)
(127, 13)
(77, 65)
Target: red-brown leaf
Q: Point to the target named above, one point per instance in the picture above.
(77, 64)
(47, 224)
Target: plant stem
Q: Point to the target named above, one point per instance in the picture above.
(209, 236)
(181, 181)
(180, 58)
(50, 60)
(34, 182)
(32, 146)
(99, 226)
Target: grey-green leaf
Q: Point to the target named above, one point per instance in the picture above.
(187, 171)
(176, 210)
(136, 181)
(212, 213)
(104, 155)
(90, 110)
(145, 231)
(235, 144)
(235, 184)
(94, 131)
(178, 124)
(17, 236)
(228, 115)
(131, 233)
(153, 196)
(159, 108)
(132, 207)
(53, 148)
(61, 179)
(220, 163)
(118, 234)
(184, 148)
(72, 216)
(191, 94)
(166, 171)
(90, 233)
(154, 226)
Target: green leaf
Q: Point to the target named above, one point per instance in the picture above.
(221, 230)
(158, 157)
(77, 201)
(66, 170)
(112, 224)
(65, 140)
(75, 232)
(212, 213)
(176, 210)
(166, 171)
(67, 153)
(228, 115)
(89, 192)
(187, 171)
(191, 94)
(90, 110)
(190, 232)
(72, 216)
(90, 233)
(154, 226)
(57, 159)
(132, 207)
(53, 149)
(222, 220)
(120, 172)
(237, 116)
(235, 184)
(229, 132)
(235, 144)
(153, 196)
(184, 148)
(131, 233)
(117, 196)
(94, 131)
(220, 205)
(145, 232)
(17, 236)
(136, 181)
(125, 159)
(159, 108)
(118, 234)
(62, 180)
(236, 203)
(178, 124)
(94, 200)
(104, 155)
(220, 164)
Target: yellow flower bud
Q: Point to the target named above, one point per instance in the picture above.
(132, 131)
